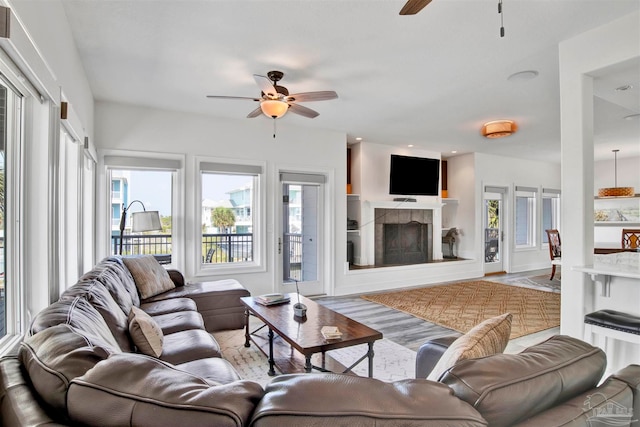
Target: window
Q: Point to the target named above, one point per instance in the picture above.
(10, 185)
(145, 184)
(550, 212)
(525, 216)
(229, 215)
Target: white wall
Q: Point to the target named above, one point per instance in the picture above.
(125, 127)
(509, 172)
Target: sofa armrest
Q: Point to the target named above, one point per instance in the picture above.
(631, 376)
(332, 399)
(429, 353)
(176, 277)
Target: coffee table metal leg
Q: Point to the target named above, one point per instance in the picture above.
(307, 364)
(370, 355)
(272, 371)
(246, 330)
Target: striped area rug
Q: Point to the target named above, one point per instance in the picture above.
(461, 306)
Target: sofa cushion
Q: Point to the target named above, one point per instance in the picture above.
(345, 400)
(100, 298)
(540, 377)
(185, 346)
(114, 275)
(57, 355)
(213, 369)
(171, 305)
(150, 277)
(179, 321)
(486, 338)
(145, 333)
(76, 312)
(156, 393)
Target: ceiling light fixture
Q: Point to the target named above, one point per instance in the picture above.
(632, 116)
(624, 87)
(410, 145)
(358, 139)
(499, 128)
(616, 191)
(273, 108)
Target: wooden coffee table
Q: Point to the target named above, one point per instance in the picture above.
(303, 334)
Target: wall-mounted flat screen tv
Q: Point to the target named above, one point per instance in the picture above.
(414, 176)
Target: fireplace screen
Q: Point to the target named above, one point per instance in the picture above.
(405, 243)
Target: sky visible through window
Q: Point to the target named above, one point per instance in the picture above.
(152, 189)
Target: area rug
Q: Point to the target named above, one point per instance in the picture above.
(461, 306)
(537, 282)
(391, 361)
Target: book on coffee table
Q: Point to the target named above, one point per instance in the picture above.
(331, 332)
(271, 299)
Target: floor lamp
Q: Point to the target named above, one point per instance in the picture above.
(140, 221)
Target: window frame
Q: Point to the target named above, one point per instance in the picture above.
(14, 298)
(530, 193)
(141, 161)
(229, 167)
(554, 196)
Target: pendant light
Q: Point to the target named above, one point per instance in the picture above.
(616, 191)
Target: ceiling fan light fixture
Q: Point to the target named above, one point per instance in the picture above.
(274, 109)
(499, 128)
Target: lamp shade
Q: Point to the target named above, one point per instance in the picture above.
(499, 128)
(145, 221)
(273, 108)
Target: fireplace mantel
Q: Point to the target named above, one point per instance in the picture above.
(390, 204)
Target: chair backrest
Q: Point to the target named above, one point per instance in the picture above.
(209, 256)
(630, 238)
(555, 246)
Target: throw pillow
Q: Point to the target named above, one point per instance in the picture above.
(145, 333)
(486, 338)
(150, 277)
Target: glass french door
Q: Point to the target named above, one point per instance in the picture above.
(493, 233)
(300, 243)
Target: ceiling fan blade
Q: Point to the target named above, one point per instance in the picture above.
(265, 85)
(232, 97)
(323, 95)
(414, 6)
(254, 113)
(303, 111)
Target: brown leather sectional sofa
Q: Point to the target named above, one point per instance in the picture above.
(77, 366)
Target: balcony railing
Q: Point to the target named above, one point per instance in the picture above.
(216, 248)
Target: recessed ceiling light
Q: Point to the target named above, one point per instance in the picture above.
(632, 116)
(522, 76)
(624, 87)
(410, 145)
(454, 152)
(358, 139)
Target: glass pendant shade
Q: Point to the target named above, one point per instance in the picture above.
(273, 108)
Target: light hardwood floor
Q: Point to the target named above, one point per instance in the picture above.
(412, 332)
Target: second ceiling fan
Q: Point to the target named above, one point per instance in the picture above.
(275, 100)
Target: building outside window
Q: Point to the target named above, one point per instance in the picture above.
(228, 207)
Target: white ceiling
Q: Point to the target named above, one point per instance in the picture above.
(430, 80)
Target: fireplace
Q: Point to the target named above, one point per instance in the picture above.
(403, 236)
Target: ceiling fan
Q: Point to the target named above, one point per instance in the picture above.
(275, 100)
(414, 6)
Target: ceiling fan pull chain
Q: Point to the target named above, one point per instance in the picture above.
(274, 127)
(501, 18)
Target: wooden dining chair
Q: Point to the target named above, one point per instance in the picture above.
(630, 238)
(555, 250)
